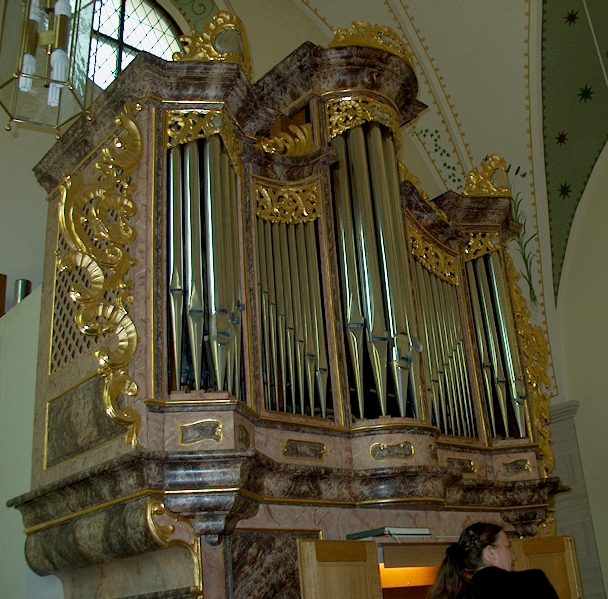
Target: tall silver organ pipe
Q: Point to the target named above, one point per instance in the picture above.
(204, 272)
(505, 394)
(375, 274)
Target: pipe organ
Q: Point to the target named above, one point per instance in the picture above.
(276, 334)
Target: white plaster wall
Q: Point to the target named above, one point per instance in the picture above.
(18, 355)
(583, 319)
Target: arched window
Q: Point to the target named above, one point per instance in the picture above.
(123, 28)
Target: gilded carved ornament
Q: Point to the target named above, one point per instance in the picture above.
(371, 36)
(299, 143)
(490, 180)
(406, 175)
(350, 111)
(287, 202)
(93, 218)
(171, 530)
(480, 244)
(535, 358)
(186, 126)
(224, 39)
(433, 257)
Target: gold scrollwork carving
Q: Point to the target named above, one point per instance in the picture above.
(202, 430)
(299, 143)
(93, 219)
(432, 257)
(170, 529)
(491, 180)
(290, 202)
(480, 244)
(371, 36)
(351, 111)
(535, 358)
(224, 39)
(382, 451)
(185, 126)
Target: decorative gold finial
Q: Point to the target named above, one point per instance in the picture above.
(491, 180)
(224, 39)
(371, 36)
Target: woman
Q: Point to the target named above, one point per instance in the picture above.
(479, 566)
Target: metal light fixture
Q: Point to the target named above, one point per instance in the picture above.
(44, 61)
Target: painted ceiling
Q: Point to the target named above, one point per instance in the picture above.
(524, 79)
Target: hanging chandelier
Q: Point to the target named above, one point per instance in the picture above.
(44, 61)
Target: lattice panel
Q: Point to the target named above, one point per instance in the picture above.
(68, 343)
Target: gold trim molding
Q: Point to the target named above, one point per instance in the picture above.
(371, 36)
(94, 219)
(535, 357)
(171, 530)
(490, 180)
(432, 257)
(207, 46)
(289, 202)
(184, 126)
(350, 111)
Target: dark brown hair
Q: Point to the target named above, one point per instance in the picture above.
(462, 560)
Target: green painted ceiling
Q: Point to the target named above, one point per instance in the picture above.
(575, 107)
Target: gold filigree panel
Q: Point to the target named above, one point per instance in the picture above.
(290, 202)
(434, 258)
(350, 111)
(480, 244)
(371, 36)
(94, 216)
(183, 126)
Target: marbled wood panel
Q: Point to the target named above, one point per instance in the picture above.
(263, 564)
(102, 536)
(77, 422)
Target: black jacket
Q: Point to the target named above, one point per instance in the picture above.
(495, 583)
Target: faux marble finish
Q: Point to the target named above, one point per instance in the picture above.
(77, 422)
(263, 564)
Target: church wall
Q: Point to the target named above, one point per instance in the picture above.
(583, 316)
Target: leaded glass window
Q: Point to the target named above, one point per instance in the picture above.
(122, 29)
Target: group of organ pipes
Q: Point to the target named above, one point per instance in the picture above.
(413, 337)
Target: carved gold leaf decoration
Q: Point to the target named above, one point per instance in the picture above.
(287, 202)
(371, 36)
(433, 257)
(480, 244)
(171, 529)
(224, 39)
(491, 180)
(347, 112)
(93, 218)
(186, 126)
(300, 143)
(535, 356)
(406, 175)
